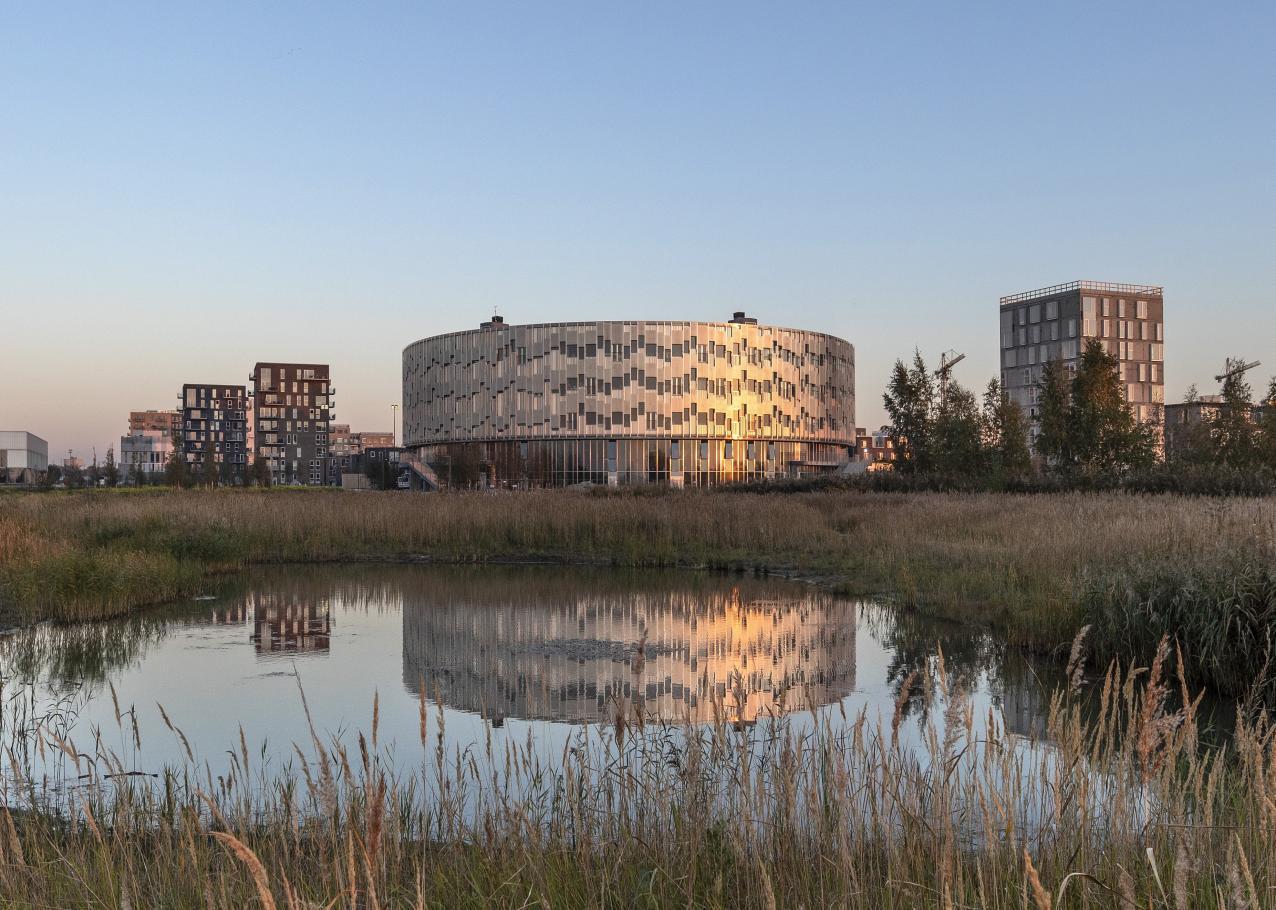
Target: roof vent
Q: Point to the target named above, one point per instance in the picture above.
(739, 317)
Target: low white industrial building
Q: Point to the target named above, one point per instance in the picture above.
(24, 457)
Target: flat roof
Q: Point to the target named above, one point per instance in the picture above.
(9, 435)
(645, 322)
(1103, 287)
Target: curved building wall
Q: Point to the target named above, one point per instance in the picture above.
(629, 402)
(735, 653)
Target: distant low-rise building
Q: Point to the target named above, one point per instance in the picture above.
(346, 450)
(1187, 423)
(876, 450)
(24, 457)
(145, 452)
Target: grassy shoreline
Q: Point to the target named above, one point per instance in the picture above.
(1119, 807)
(1034, 569)
(1137, 811)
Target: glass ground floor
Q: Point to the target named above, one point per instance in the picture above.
(617, 462)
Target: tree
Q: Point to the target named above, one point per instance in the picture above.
(956, 433)
(909, 401)
(1054, 409)
(209, 467)
(175, 469)
(74, 476)
(111, 473)
(1087, 425)
(1232, 430)
(1188, 442)
(228, 473)
(261, 472)
(1265, 441)
(1105, 435)
(381, 472)
(1005, 433)
(51, 476)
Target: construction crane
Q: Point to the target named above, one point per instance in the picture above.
(947, 361)
(1235, 368)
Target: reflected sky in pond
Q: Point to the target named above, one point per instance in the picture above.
(526, 654)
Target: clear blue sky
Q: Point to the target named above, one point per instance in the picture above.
(186, 189)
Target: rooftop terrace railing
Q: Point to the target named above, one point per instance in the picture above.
(1103, 287)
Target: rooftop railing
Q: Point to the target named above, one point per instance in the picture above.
(1103, 287)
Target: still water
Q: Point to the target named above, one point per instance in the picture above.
(533, 655)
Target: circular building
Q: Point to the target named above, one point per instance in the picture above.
(680, 403)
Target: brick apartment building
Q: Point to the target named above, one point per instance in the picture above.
(876, 449)
(169, 422)
(292, 415)
(346, 450)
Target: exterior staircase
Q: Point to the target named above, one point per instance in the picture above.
(423, 472)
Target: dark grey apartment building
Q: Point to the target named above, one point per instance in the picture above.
(1056, 323)
(292, 415)
(215, 422)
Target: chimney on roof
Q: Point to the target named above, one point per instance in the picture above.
(739, 317)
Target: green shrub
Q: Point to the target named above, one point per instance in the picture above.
(1221, 613)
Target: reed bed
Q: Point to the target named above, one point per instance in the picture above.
(1117, 805)
(1017, 563)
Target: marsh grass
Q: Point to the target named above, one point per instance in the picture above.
(1118, 805)
(1016, 563)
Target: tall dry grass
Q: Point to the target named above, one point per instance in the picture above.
(1119, 806)
(1015, 562)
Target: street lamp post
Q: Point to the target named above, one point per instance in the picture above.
(394, 423)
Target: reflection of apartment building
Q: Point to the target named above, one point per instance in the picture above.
(214, 422)
(24, 457)
(725, 653)
(289, 623)
(292, 410)
(1056, 323)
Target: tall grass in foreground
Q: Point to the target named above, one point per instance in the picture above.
(1118, 806)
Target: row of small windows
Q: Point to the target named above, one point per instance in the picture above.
(1032, 313)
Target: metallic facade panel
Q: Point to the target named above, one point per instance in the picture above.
(629, 380)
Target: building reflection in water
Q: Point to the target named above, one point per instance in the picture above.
(289, 622)
(734, 651)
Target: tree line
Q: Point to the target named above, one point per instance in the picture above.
(1085, 429)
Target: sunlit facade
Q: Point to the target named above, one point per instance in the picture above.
(679, 403)
(735, 655)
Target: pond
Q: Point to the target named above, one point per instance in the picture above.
(461, 658)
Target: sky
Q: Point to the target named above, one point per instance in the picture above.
(188, 189)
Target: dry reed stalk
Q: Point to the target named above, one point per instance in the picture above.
(255, 868)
